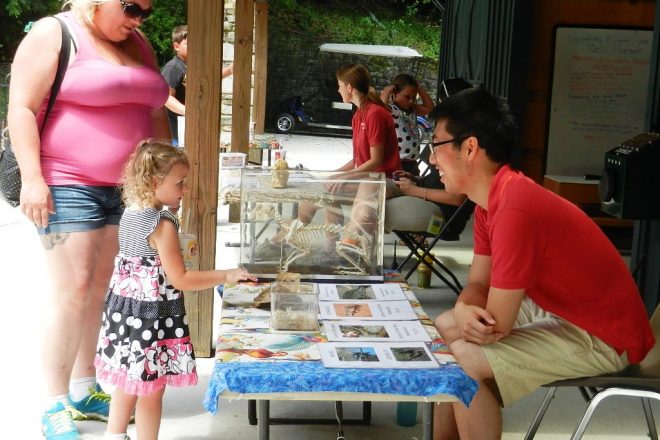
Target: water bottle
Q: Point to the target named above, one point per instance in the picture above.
(406, 413)
(424, 273)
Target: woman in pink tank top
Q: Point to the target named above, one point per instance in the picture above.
(112, 96)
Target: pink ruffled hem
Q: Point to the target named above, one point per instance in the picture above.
(135, 387)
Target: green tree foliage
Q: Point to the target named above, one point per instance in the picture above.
(13, 18)
(167, 15)
(412, 23)
(17, 13)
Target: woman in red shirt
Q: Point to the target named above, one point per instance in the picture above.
(375, 147)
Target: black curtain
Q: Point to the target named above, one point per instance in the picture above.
(488, 41)
(645, 256)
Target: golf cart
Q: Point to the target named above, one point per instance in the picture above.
(331, 112)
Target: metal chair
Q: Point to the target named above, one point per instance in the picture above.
(408, 218)
(642, 380)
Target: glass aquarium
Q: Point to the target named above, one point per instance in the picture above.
(325, 226)
(294, 307)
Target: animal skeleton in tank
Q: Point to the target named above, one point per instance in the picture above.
(301, 237)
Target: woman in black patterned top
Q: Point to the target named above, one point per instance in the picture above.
(401, 97)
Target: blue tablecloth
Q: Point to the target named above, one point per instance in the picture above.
(287, 377)
(281, 376)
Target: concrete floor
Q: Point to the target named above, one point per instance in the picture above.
(23, 282)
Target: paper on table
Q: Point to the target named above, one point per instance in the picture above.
(377, 331)
(375, 310)
(263, 346)
(376, 355)
(231, 324)
(246, 294)
(358, 292)
(232, 310)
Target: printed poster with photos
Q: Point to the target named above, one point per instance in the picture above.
(361, 292)
(376, 331)
(377, 355)
(374, 310)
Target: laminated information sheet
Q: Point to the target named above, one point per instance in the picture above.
(361, 292)
(374, 310)
(376, 331)
(377, 355)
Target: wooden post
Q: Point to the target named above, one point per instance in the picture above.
(240, 110)
(260, 64)
(202, 141)
(243, 40)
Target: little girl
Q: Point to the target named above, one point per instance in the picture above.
(144, 342)
(401, 97)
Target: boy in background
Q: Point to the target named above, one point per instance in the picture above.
(174, 73)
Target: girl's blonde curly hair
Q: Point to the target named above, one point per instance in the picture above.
(147, 166)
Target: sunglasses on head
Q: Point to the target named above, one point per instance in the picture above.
(132, 10)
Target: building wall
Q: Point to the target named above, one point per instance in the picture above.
(546, 15)
(289, 55)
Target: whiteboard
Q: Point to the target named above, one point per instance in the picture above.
(600, 79)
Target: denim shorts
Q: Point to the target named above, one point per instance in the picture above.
(81, 208)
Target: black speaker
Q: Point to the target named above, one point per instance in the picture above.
(630, 185)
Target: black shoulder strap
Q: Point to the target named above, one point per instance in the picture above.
(62, 65)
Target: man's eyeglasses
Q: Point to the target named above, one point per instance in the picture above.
(433, 145)
(132, 10)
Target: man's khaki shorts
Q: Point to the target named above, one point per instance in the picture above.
(543, 348)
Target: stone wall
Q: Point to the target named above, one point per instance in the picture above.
(296, 67)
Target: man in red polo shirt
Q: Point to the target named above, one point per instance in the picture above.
(548, 296)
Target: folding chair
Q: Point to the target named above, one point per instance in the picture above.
(408, 218)
(641, 381)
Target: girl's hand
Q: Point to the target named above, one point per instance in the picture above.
(233, 276)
